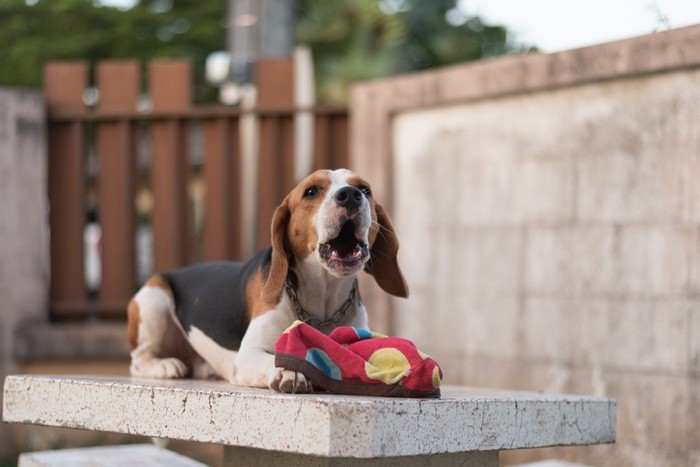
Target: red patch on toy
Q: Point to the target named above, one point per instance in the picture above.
(357, 361)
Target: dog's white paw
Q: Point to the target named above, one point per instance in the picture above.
(161, 368)
(288, 381)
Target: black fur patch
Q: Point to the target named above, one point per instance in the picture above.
(212, 297)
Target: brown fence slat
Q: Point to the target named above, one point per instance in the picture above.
(274, 79)
(168, 124)
(170, 90)
(331, 140)
(275, 84)
(339, 147)
(222, 175)
(64, 84)
(118, 83)
(269, 177)
(275, 170)
(321, 142)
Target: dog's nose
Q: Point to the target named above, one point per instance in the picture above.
(348, 197)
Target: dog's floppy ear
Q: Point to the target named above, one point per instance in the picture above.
(383, 264)
(280, 262)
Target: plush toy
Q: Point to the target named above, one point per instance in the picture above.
(355, 361)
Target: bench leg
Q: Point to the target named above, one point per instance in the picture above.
(251, 457)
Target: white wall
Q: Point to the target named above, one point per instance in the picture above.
(552, 242)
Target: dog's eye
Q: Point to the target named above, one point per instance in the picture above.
(311, 192)
(365, 190)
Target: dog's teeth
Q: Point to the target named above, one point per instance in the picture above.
(334, 254)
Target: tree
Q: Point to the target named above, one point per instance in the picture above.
(350, 39)
(34, 32)
(363, 39)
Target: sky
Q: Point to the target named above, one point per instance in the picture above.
(554, 25)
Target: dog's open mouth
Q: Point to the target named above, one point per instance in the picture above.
(344, 251)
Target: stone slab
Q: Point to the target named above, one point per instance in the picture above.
(463, 420)
(142, 455)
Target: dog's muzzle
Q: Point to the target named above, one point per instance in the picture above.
(344, 254)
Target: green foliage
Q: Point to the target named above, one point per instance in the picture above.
(363, 39)
(351, 39)
(32, 33)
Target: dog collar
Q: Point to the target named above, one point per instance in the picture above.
(305, 317)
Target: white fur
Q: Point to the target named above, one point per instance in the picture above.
(222, 360)
(326, 219)
(156, 309)
(255, 365)
(320, 292)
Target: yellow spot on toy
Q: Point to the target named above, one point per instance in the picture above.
(387, 365)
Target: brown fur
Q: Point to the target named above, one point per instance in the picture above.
(292, 233)
(134, 320)
(383, 264)
(134, 314)
(279, 264)
(253, 292)
(384, 247)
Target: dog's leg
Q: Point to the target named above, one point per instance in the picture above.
(255, 365)
(201, 369)
(151, 314)
(212, 359)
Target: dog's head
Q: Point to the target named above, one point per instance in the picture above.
(332, 217)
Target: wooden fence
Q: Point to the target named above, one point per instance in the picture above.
(93, 162)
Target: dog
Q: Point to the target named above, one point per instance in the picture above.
(221, 319)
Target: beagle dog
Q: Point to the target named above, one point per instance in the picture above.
(222, 319)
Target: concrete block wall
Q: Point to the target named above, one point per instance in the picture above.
(550, 233)
(24, 236)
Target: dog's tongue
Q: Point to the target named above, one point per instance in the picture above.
(356, 252)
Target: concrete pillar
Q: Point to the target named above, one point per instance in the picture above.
(24, 234)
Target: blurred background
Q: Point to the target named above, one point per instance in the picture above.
(540, 163)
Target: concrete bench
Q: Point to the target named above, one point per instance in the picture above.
(466, 427)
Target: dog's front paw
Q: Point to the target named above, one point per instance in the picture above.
(288, 381)
(161, 368)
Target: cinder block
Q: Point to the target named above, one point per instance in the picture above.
(644, 456)
(653, 261)
(424, 254)
(433, 319)
(549, 260)
(570, 261)
(694, 337)
(452, 365)
(544, 190)
(486, 193)
(548, 329)
(621, 186)
(520, 374)
(653, 409)
(492, 326)
(631, 335)
(485, 261)
(632, 261)
(694, 275)
(693, 191)
(694, 410)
